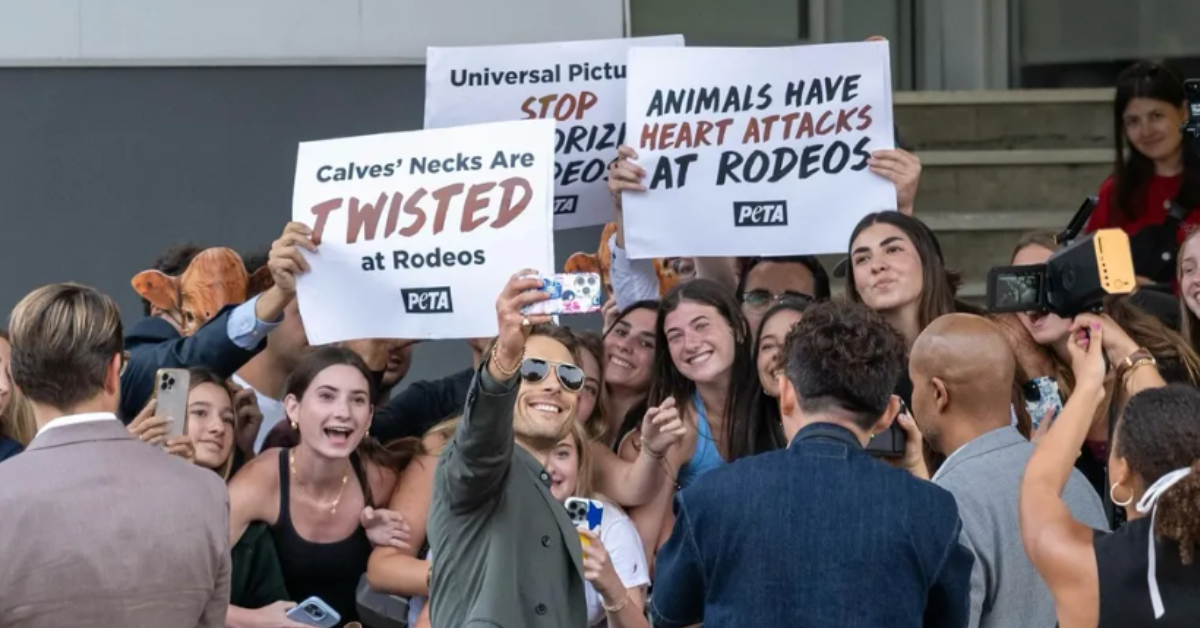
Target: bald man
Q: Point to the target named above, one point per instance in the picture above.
(962, 373)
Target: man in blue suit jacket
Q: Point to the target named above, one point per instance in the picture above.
(223, 345)
(821, 533)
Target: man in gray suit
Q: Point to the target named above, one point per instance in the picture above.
(96, 527)
(505, 553)
(962, 371)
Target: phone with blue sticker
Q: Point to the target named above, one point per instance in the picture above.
(586, 514)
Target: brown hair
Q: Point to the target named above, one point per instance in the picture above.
(394, 455)
(64, 338)
(939, 285)
(16, 419)
(198, 376)
(442, 433)
(596, 425)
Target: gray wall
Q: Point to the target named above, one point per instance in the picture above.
(262, 32)
(103, 169)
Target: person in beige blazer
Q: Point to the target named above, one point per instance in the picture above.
(96, 527)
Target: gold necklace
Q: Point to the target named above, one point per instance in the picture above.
(345, 478)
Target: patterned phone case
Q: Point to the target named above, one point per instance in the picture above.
(570, 293)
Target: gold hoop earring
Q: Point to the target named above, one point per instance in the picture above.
(1112, 494)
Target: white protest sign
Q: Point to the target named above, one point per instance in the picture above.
(580, 84)
(420, 231)
(756, 151)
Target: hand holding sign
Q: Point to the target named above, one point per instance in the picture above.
(521, 291)
(901, 168)
(625, 173)
(285, 260)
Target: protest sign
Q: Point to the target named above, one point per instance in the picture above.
(580, 85)
(756, 151)
(418, 232)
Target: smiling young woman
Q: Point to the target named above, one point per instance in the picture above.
(324, 499)
(1154, 167)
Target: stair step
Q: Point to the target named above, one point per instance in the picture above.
(1017, 157)
(1016, 119)
(1026, 220)
(1016, 182)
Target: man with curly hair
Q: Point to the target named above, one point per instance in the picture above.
(822, 534)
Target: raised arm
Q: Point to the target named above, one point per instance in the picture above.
(399, 570)
(475, 463)
(635, 483)
(1059, 547)
(632, 280)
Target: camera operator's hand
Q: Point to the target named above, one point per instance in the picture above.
(1117, 344)
(1086, 347)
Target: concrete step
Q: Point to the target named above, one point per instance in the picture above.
(997, 180)
(1019, 119)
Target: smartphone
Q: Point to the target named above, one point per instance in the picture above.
(890, 442)
(586, 514)
(171, 391)
(314, 612)
(570, 293)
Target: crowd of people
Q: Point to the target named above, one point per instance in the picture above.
(762, 452)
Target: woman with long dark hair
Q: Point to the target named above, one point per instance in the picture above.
(769, 349)
(628, 367)
(703, 361)
(320, 497)
(1154, 168)
(897, 269)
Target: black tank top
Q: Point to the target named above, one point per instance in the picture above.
(1122, 562)
(330, 571)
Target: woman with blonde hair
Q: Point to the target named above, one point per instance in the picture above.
(17, 425)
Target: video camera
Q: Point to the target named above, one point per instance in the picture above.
(1075, 279)
(1191, 126)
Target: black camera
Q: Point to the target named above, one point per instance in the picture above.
(1191, 126)
(1075, 279)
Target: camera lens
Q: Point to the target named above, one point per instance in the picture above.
(315, 611)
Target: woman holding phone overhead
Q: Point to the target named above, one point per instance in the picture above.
(323, 500)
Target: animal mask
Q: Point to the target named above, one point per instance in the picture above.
(670, 271)
(215, 278)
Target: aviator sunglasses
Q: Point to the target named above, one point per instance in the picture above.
(534, 370)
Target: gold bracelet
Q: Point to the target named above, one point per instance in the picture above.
(1133, 367)
(506, 374)
(616, 608)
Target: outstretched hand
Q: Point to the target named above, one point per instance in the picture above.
(521, 291)
(385, 528)
(662, 427)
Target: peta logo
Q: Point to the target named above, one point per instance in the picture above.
(427, 300)
(760, 214)
(565, 204)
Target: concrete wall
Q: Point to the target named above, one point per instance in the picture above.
(253, 32)
(103, 169)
